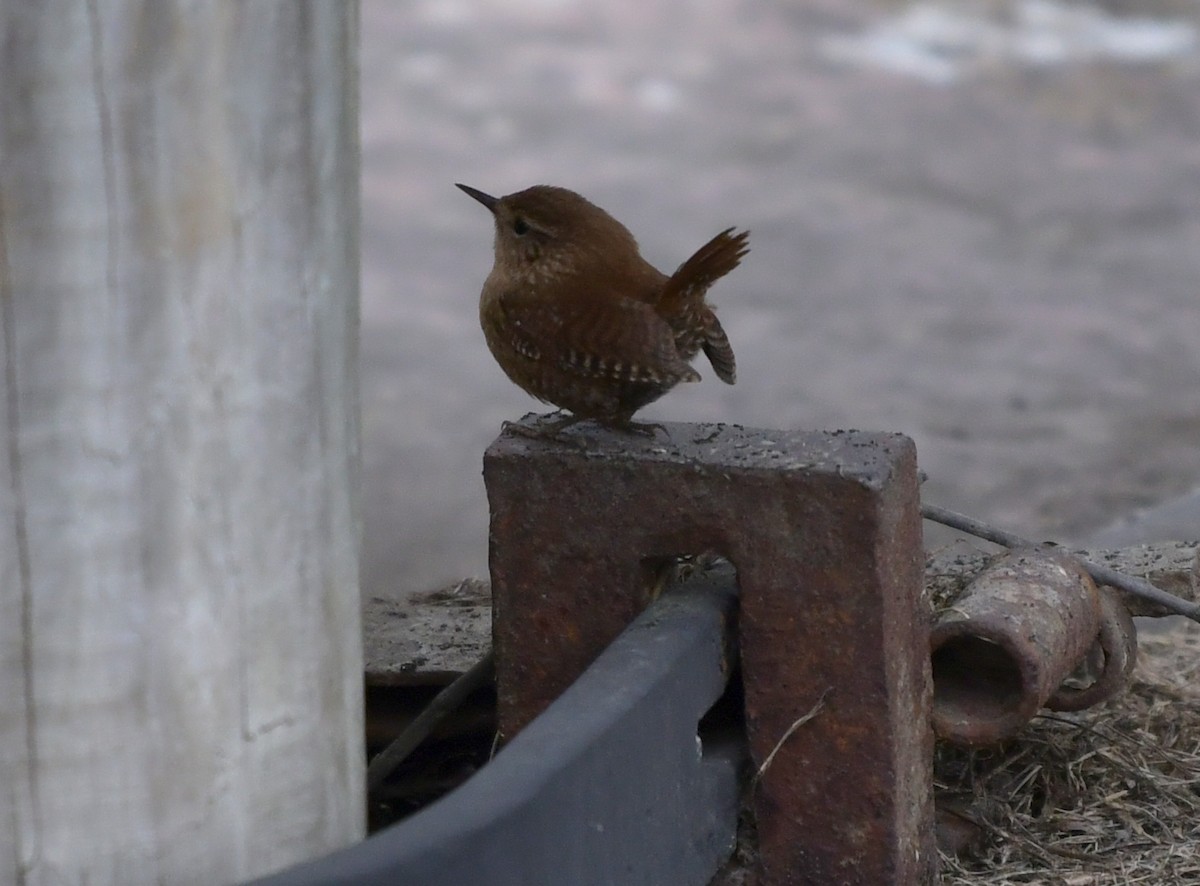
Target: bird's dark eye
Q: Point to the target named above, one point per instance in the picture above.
(520, 227)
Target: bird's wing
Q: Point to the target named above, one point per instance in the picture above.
(617, 338)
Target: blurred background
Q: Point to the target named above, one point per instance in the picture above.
(977, 223)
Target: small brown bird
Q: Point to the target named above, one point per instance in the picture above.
(576, 317)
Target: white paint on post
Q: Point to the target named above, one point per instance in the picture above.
(180, 653)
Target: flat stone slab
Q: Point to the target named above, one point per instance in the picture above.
(1172, 566)
(429, 638)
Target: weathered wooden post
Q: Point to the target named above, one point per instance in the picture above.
(180, 662)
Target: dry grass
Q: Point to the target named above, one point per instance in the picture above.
(1106, 796)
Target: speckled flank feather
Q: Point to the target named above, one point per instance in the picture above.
(720, 352)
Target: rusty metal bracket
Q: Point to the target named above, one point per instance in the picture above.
(825, 533)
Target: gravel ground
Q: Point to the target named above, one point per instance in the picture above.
(978, 224)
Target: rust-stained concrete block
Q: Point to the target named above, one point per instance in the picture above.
(824, 530)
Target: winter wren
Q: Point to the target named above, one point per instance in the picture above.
(576, 317)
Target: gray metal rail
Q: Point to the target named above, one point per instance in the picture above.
(609, 786)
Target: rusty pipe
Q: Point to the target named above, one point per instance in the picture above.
(1115, 649)
(1008, 642)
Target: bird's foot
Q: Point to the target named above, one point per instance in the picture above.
(552, 425)
(640, 428)
(549, 427)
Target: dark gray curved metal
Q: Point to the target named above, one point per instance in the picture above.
(608, 786)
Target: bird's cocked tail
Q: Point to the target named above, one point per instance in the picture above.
(685, 290)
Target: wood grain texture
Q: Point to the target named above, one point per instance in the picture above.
(180, 653)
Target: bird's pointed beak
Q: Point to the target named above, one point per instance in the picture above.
(486, 199)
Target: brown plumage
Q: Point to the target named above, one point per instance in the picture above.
(576, 317)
